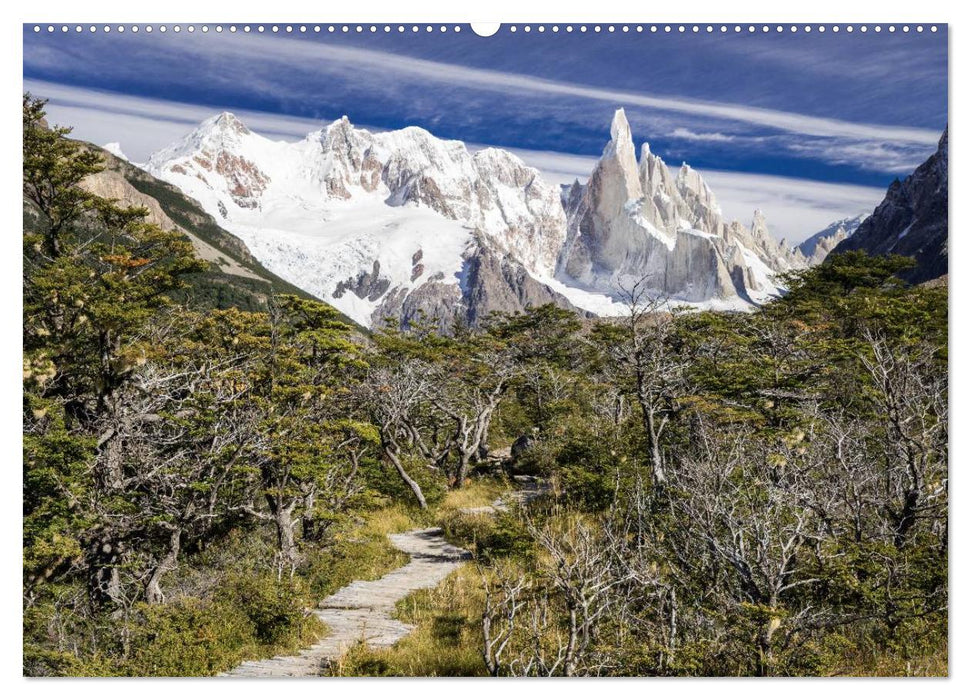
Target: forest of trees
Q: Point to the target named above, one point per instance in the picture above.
(756, 493)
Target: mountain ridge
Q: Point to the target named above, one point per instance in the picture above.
(817, 246)
(323, 211)
(235, 278)
(389, 224)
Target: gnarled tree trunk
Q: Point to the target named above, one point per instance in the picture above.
(153, 590)
(390, 449)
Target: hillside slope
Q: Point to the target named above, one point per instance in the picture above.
(236, 278)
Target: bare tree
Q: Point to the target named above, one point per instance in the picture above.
(644, 353)
(506, 595)
(174, 429)
(548, 625)
(750, 505)
(911, 393)
(392, 397)
(469, 397)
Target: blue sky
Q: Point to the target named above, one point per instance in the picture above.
(805, 125)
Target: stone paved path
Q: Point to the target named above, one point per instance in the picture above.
(362, 610)
(529, 490)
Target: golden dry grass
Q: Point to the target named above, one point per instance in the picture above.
(930, 665)
(475, 494)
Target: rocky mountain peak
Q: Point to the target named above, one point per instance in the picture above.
(346, 209)
(817, 246)
(911, 220)
(223, 133)
(616, 180)
(758, 222)
(339, 130)
(227, 121)
(667, 228)
(691, 183)
(778, 254)
(655, 177)
(620, 128)
(619, 153)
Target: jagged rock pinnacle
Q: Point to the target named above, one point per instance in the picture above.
(619, 127)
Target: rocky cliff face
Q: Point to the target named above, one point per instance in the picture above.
(636, 222)
(491, 282)
(911, 220)
(820, 244)
(111, 184)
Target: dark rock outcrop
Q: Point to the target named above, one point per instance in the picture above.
(490, 282)
(911, 220)
(500, 283)
(367, 285)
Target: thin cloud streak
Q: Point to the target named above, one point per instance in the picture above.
(181, 117)
(688, 135)
(794, 208)
(295, 49)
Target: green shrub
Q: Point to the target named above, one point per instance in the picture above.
(489, 535)
(274, 609)
(186, 638)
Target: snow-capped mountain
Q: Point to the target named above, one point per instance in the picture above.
(818, 246)
(636, 222)
(380, 224)
(114, 148)
(396, 224)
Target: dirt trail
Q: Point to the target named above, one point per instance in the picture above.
(529, 490)
(362, 610)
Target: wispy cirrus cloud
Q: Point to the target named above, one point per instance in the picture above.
(688, 135)
(292, 51)
(795, 208)
(295, 75)
(143, 125)
(882, 156)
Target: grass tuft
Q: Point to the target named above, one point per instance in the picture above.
(445, 641)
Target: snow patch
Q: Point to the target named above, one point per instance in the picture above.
(613, 306)
(114, 148)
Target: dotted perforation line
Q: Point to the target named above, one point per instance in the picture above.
(247, 28)
(512, 29)
(723, 28)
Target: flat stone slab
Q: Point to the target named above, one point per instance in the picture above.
(362, 610)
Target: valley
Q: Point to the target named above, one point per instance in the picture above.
(368, 404)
